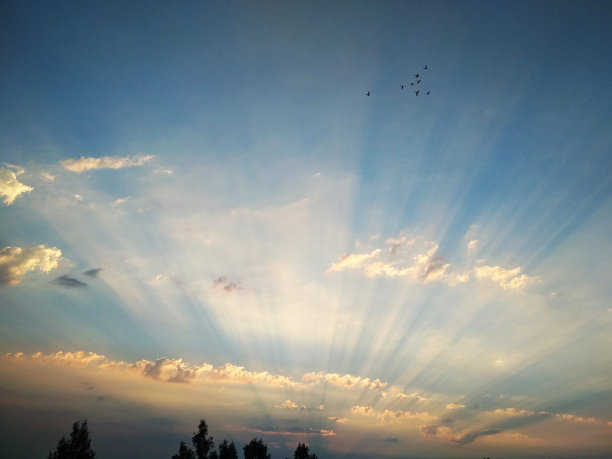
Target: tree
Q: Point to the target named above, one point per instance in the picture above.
(184, 452)
(201, 441)
(301, 452)
(227, 451)
(256, 449)
(79, 445)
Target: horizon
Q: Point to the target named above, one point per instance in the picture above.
(243, 213)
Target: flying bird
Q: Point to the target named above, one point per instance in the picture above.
(402, 87)
(417, 92)
(428, 92)
(411, 84)
(418, 81)
(425, 68)
(417, 75)
(368, 93)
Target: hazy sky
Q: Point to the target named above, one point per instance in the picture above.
(204, 216)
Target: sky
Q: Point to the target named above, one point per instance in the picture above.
(203, 215)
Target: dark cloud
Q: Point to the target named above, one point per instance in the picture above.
(391, 440)
(470, 437)
(429, 430)
(93, 272)
(69, 282)
(227, 284)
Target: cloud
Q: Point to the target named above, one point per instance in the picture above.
(455, 406)
(95, 272)
(390, 416)
(171, 370)
(15, 262)
(412, 395)
(288, 431)
(470, 437)
(508, 279)
(69, 282)
(105, 162)
(346, 380)
(338, 419)
(362, 410)
(472, 245)
(428, 430)
(404, 258)
(288, 405)
(227, 284)
(353, 261)
(162, 369)
(10, 187)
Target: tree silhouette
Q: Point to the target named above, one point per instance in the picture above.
(227, 451)
(184, 452)
(201, 441)
(256, 449)
(301, 452)
(79, 445)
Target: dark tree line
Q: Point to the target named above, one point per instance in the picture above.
(78, 446)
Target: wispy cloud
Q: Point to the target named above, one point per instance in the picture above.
(286, 431)
(227, 284)
(470, 437)
(104, 162)
(69, 282)
(95, 272)
(10, 187)
(15, 262)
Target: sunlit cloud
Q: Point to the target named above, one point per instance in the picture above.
(508, 279)
(362, 410)
(338, 419)
(104, 162)
(288, 404)
(455, 406)
(346, 380)
(10, 187)
(15, 262)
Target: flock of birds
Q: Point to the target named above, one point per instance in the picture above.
(412, 83)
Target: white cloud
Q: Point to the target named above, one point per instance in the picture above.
(391, 416)
(15, 262)
(10, 187)
(105, 162)
(508, 279)
(472, 245)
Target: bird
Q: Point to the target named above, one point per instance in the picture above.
(402, 87)
(417, 92)
(428, 92)
(417, 75)
(368, 93)
(411, 84)
(425, 68)
(418, 81)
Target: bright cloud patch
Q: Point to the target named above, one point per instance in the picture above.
(403, 258)
(420, 260)
(104, 162)
(346, 380)
(508, 279)
(10, 186)
(15, 262)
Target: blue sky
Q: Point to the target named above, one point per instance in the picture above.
(204, 216)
